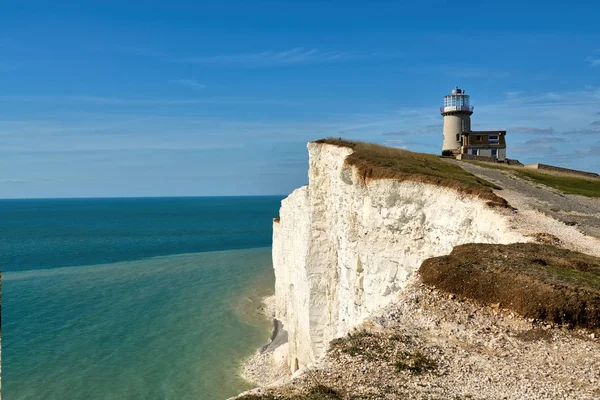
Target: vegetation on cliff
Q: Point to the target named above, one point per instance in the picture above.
(374, 161)
(537, 281)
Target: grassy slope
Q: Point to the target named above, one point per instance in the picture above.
(537, 281)
(379, 162)
(566, 183)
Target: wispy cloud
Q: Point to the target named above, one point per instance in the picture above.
(420, 131)
(462, 71)
(131, 101)
(7, 67)
(527, 149)
(532, 130)
(191, 83)
(545, 140)
(13, 181)
(591, 95)
(594, 62)
(593, 131)
(294, 56)
(589, 152)
(398, 133)
(405, 144)
(595, 122)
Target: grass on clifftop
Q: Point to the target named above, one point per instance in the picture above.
(379, 162)
(537, 281)
(571, 184)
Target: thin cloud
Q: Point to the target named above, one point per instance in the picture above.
(404, 144)
(539, 149)
(13, 181)
(462, 71)
(129, 101)
(294, 56)
(591, 95)
(594, 62)
(427, 130)
(590, 152)
(398, 133)
(545, 140)
(7, 67)
(191, 83)
(583, 132)
(595, 122)
(532, 130)
(298, 55)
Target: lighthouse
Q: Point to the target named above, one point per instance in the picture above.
(463, 143)
(457, 112)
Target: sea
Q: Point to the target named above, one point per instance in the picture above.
(133, 298)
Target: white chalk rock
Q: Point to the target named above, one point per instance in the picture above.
(343, 249)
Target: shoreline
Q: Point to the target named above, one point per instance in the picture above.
(268, 364)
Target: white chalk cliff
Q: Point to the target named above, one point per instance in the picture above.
(343, 248)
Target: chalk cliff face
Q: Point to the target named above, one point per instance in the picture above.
(343, 248)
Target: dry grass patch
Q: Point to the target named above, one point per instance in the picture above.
(379, 162)
(316, 392)
(537, 281)
(361, 344)
(415, 362)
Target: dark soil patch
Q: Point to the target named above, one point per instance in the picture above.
(537, 281)
(534, 335)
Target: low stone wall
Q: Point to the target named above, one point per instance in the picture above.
(547, 167)
(473, 157)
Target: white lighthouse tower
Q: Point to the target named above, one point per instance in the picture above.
(457, 118)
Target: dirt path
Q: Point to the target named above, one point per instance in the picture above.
(579, 211)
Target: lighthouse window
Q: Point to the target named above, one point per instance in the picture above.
(457, 136)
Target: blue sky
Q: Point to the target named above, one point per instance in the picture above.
(176, 98)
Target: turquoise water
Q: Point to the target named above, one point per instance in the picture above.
(132, 298)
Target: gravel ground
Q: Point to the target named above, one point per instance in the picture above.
(580, 211)
(470, 351)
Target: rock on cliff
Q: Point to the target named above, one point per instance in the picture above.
(345, 245)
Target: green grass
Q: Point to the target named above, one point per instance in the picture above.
(580, 185)
(379, 162)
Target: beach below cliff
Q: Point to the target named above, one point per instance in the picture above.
(268, 365)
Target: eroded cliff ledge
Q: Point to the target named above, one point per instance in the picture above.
(346, 243)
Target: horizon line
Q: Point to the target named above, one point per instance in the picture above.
(138, 197)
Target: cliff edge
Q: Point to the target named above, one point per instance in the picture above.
(346, 243)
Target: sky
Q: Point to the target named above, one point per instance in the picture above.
(190, 98)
